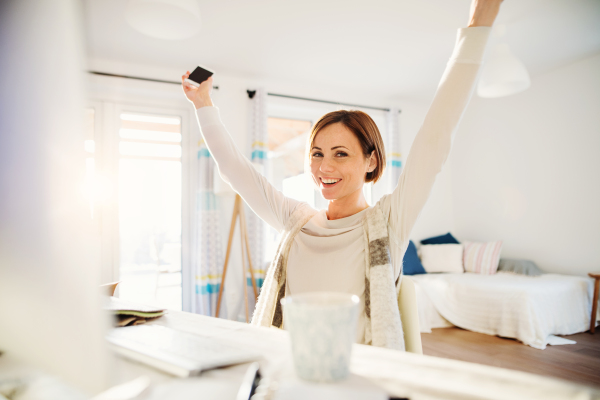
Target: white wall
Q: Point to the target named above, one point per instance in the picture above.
(525, 170)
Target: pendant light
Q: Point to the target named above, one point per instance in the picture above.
(164, 19)
(503, 74)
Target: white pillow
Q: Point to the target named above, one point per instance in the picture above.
(442, 257)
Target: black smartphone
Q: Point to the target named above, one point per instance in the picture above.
(199, 75)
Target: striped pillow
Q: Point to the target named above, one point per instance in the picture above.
(482, 258)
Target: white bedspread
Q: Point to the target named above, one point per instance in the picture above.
(429, 317)
(530, 309)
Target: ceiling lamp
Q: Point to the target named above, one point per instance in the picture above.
(503, 74)
(165, 19)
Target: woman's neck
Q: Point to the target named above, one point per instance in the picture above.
(347, 206)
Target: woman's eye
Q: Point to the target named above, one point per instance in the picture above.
(341, 154)
(317, 155)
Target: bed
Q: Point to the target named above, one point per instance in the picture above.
(532, 309)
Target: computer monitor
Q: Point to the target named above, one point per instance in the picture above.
(50, 311)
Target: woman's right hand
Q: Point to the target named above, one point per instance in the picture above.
(484, 12)
(199, 96)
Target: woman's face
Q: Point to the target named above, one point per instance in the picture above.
(337, 162)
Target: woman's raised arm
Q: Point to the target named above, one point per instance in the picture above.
(484, 12)
(432, 144)
(266, 201)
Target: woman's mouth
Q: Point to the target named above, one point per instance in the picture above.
(329, 182)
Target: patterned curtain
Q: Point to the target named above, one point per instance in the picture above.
(391, 140)
(258, 137)
(207, 257)
(392, 148)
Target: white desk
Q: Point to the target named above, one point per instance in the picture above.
(401, 374)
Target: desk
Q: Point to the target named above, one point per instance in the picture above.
(401, 374)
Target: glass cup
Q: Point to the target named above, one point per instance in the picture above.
(322, 327)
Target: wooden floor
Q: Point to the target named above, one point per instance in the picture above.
(574, 362)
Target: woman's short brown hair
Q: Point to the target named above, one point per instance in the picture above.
(365, 130)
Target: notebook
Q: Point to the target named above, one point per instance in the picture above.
(129, 313)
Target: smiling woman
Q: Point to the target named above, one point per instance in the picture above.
(346, 151)
(351, 247)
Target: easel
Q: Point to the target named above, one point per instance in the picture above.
(238, 210)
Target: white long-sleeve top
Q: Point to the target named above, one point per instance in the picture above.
(329, 255)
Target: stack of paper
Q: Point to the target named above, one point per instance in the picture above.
(128, 313)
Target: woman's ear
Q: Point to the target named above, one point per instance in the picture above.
(372, 162)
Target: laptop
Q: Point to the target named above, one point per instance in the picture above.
(179, 353)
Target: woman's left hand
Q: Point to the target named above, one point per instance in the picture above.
(200, 96)
(484, 12)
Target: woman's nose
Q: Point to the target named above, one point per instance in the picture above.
(326, 165)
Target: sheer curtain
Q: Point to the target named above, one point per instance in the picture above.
(391, 138)
(207, 251)
(258, 139)
(392, 147)
(207, 255)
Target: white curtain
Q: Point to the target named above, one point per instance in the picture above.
(391, 140)
(257, 143)
(392, 147)
(207, 251)
(207, 256)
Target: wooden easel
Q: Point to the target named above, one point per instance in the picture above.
(238, 210)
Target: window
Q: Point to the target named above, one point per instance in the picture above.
(287, 142)
(150, 214)
(137, 180)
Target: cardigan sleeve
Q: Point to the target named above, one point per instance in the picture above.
(433, 141)
(267, 202)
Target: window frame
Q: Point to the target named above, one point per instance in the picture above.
(106, 135)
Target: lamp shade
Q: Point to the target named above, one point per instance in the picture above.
(503, 74)
(165, 19)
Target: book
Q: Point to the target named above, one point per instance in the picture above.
(129, 313)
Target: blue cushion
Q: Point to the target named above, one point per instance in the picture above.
(411, 264)
(443, 239)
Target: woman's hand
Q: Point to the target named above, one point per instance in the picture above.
(484, 12)
(200, 96)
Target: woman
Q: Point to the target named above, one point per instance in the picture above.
(351, 247)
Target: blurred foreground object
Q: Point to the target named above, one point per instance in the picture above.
(50, 309)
